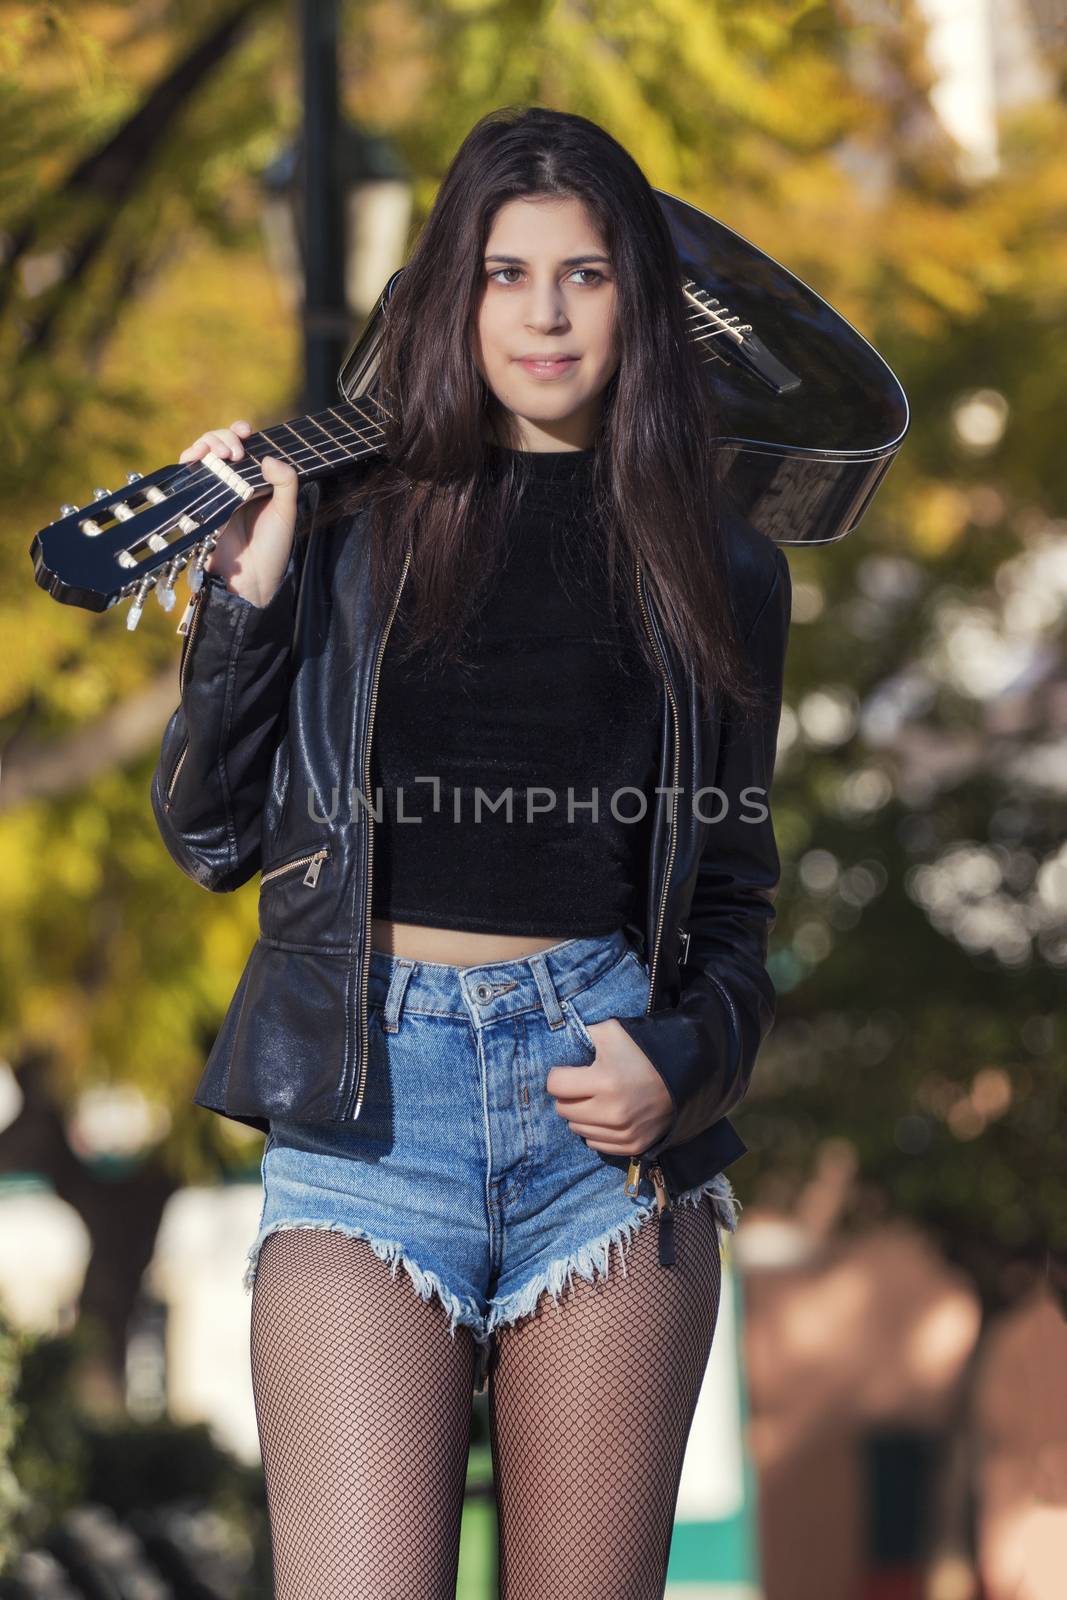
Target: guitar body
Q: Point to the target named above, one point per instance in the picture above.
(800, 459)
(810, 419)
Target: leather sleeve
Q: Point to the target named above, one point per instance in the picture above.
(234, 679)
(705, 1046)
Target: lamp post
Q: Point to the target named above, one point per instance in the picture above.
(337, 205)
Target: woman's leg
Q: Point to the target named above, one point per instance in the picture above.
(591, 1401)
(363, 1402)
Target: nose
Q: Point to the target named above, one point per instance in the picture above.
(546, 309)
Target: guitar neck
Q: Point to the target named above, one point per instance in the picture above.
(317, 444)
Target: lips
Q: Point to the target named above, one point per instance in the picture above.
(547, 367)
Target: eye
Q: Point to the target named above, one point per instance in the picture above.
(590, 271)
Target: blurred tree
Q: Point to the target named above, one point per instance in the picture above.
(130, 148)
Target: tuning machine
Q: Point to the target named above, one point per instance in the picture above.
(140, 595)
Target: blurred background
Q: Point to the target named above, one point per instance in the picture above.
(885, 1413)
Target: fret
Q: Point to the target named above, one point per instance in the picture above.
(301, 426)
(277, 448)
(371, 435)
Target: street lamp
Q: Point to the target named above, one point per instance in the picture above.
(376, 198)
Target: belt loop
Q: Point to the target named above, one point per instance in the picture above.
(547, 989)
(394, 1000)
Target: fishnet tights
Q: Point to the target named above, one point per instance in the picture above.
(363, 1403)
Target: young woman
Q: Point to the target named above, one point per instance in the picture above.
(524, 633)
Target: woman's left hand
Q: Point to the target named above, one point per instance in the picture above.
(619, 1103)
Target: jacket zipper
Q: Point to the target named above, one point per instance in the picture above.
(313, 863)
(365, 976)
(633, 1175)
(674, 796)
(666, 1217)
(195, 606)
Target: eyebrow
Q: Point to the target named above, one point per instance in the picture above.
(571, 261)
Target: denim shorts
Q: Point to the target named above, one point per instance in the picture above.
(459, 1164)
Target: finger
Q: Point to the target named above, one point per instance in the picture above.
(574, 1083)
(586, 1107)
(232, 443)
(241, 427)
(206, 442)
(284, 481)
(585, 1114)
(597, 1130)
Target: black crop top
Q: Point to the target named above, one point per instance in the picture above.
(552, 695)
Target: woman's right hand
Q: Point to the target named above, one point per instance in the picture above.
(254, 546)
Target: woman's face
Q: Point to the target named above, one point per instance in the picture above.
(548, 290)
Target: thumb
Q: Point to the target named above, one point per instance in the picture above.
(283, 479)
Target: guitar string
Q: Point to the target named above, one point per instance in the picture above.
(307, 452)
(216, 495)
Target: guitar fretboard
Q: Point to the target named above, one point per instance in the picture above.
(322, 440)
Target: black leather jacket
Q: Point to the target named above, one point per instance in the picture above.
(273, 732)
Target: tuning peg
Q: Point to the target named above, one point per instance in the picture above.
(98, 494)
(67, 510)
(165, 590)
(134, 477)
(140, 595)
(195, 575)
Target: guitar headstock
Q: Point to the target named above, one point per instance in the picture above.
(129, 543)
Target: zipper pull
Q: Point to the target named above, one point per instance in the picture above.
(666, 1219)
(311, 876)
(187, 617)
(633, 1177)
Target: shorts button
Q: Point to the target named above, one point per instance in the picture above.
(484, 992)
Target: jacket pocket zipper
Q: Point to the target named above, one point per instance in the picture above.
(313, 863)
(174, 775)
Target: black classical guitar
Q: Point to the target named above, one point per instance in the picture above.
(812, 416)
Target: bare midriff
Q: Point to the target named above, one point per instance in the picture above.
(453, 947)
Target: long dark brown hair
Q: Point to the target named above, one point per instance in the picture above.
(653, 473)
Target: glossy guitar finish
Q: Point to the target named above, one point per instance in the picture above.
(811, 419)
(802, 449)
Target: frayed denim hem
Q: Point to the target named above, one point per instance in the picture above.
(594, 1258)
(726, 1204)
(589, 1260)
(461, 1313)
